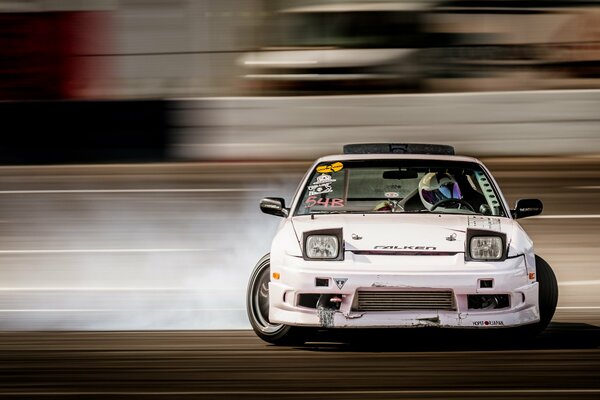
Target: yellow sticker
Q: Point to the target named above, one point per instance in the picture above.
(335, 167)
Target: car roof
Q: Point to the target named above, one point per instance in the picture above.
(353, 157)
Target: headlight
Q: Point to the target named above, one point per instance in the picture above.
(486, 248)
(322, 246)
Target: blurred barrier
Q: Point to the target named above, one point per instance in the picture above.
(297, 128)
(82, 131)
(300, 128)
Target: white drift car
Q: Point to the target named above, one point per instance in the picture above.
(399, 236)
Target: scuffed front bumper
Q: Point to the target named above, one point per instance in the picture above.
(403, 273)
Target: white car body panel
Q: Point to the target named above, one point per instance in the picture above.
(428, 254)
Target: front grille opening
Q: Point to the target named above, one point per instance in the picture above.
(402, 300)
(308, 300)
(488, 302)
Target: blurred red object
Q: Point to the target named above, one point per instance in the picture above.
(53, 55)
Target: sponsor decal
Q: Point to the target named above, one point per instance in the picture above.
(405, 247)
(356, 237)
(488, 323)
(340, 282)
(488, 223)
(451, 238)
(335, 167)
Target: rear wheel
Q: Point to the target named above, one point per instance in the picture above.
(257, 305)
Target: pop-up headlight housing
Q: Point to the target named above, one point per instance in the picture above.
(323, 245)
(484, 245)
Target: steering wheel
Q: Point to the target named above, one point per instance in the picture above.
(453, 201)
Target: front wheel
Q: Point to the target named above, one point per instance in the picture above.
(548, 294)
(257, 305)
(548, 297)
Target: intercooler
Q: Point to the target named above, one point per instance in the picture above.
(401, 300)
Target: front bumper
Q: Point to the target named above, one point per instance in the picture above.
(398, 273)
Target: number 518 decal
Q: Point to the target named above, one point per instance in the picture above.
(312, 201)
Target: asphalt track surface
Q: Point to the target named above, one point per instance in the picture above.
(563, 363)
(125, 223)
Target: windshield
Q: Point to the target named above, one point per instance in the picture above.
(400, 186)
(348, 30)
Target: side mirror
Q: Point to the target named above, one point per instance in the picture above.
(274, 206)
(527, 208)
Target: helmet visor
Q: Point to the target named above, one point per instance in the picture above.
(443, 192)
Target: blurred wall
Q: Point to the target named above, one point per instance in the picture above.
(187, 48)
(148, 48)
(182, 47)
(300, 128)
(42, 53)
(526, 123)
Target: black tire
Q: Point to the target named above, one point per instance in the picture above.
(257, 306)
(548, 292)
(548, 298)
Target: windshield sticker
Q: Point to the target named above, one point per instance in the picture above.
(392, 195)
(323, 178)
(321, 185)
(314, 201)
(488, 223)
(335, 167)
(320, 189)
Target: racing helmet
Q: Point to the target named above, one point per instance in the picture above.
(437, 186)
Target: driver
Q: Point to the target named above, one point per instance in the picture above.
(435, 187)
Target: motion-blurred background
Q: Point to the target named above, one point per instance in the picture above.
(131, 49)
(137, 137)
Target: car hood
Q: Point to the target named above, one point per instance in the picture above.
(419, 233)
